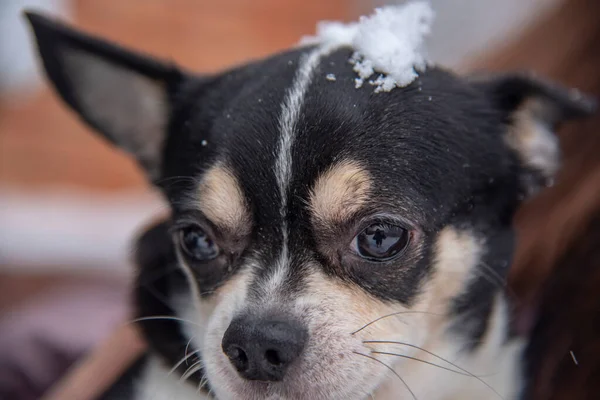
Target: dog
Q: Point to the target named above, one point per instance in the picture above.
(324, 241)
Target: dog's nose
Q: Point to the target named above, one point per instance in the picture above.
(262, 349)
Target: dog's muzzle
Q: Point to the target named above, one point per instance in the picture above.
(262, 349)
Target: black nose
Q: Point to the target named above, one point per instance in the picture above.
(262, 349)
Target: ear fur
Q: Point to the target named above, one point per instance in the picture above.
(123, 95)
(535, 108)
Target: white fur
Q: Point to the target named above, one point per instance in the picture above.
(542, 150)
(279, 275)
(534, 140)
(157, 384)
(290, 112)
(495, 362)
(183, 304)
(331, 366)
(330, 369)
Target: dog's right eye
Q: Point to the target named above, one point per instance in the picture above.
(197, 244)
(381, 242)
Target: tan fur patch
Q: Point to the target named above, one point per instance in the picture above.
(533, 140)
(222, 201)
(339, 317)
(334, 295)
(339, 193)
(355, 337)
(456, 255)
(352, 334)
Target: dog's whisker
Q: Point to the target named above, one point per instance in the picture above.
(211, 392)
(192, 371)
(492, 276)
(504, 283)
(438, 357)
(160, 297)
(164, 318)
(391, 315)
(187, 346)
(183, 360)
(206, 292)
(389, 368)
(419, 360)
(157, 275)
(171, 180)
(195, 367)
(202, 384)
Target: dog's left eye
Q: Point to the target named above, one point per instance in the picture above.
(197, 244)
(381, 242)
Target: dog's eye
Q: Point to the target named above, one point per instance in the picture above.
(196, 243)
(381, 242)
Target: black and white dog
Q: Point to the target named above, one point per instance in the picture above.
(325, 241)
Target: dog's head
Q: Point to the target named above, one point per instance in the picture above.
(314, 220)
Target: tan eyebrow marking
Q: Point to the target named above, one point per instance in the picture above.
(339, 193)
(221, 199)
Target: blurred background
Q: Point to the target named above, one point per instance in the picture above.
(70, 204)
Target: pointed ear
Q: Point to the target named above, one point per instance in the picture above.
(123, 95)
(534, 108)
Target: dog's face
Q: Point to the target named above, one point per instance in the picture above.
(315, 221)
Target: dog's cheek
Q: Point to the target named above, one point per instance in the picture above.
(339, 317)
(457, 253)
(196, 312)
(191, 307)
(226, 301)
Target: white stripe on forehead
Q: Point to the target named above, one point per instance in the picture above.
(290, 112)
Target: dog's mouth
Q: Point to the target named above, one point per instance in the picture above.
(317, 373)
(294, 387)
(310, 350)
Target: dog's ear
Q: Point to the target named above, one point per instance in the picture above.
(122, 94)
(534, 108)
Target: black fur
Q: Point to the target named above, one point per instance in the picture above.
(159, 279)
(435, 150)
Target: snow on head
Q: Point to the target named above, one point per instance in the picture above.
(388, 42)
